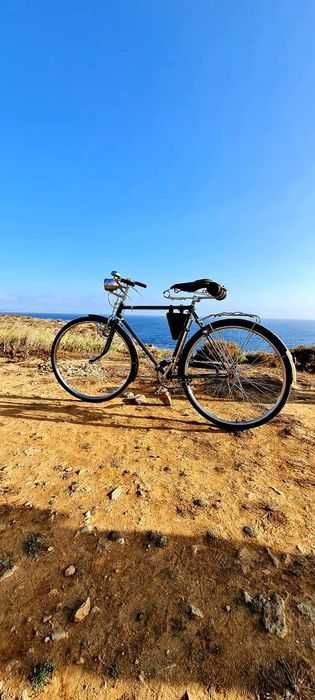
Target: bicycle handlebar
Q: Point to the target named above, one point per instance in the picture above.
(132, 283)
(129, 282)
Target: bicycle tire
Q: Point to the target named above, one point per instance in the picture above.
(134, 362)
(264, 333)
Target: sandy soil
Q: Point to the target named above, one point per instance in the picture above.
(167, 614)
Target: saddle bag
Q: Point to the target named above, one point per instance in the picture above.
(177, 319)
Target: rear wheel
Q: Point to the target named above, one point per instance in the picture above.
(93, 359)
(236, 374)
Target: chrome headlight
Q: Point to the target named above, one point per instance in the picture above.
(110, 284)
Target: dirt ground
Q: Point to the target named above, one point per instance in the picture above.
(167, 611)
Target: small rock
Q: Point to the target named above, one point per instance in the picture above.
(115, 536)
(247, 598)
(8, 572)
(255, 603)
(70, 570)
(200, 502)
(83, 610)
(95, 610)
(58, 633)
(249, 531)
(192, 611)
(156, 539)
(140, 490)
(139, 616)
(45, 619)
(140, 399)
(274, 616)
(228, 608)
(307, 610)
(129, 395)
(115, 493)
(312, 643)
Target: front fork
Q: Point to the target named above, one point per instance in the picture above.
(109, 338)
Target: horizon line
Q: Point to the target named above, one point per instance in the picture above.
(81, 313)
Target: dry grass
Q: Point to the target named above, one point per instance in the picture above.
(23, 337)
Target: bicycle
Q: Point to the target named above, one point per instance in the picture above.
(235, 373)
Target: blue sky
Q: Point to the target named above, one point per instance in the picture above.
(168, 139)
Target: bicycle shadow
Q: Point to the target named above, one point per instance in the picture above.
(175, 614)
(116, 415)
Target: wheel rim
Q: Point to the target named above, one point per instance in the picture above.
(235, 375)
(81, 366)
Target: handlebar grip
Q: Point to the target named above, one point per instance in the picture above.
(140, 284)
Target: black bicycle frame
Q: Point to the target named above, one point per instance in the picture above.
(181, 338)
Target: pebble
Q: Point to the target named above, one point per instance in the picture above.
(156, 539)
(192, 611)
(83, 610)
(312, 643)
(70, 570)
(95, 610)
(115, 536)
(8, 573)
(45, 619)
(273, 617)
(115, 493)
(249, 531)
(200, 502)
(139, 616)
(129, 395)
(58, 633)
(140, 399)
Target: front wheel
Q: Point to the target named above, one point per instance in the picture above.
(236, 373)
(93, 359)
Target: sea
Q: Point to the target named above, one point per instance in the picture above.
(155, 330)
